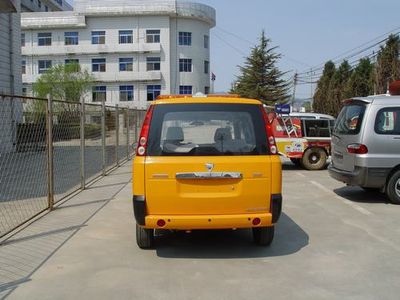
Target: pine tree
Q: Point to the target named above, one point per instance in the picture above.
(388, 64)
(260, 78)
(360, 83)
(336, 87)
(321, 94)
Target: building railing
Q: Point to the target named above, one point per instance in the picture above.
(50, 149)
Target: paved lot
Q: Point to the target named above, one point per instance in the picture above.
(332, 242)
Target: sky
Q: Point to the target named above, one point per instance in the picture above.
(306, 32)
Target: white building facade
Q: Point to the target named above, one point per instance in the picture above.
(136, 50)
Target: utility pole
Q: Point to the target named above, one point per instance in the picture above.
(311, 87)
(295, 78)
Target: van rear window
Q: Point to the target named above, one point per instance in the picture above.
(207, 129)
(350, 119)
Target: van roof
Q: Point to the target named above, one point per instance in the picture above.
(379, 99)
(211, 99)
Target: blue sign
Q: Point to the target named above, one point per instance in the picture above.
(282, 109)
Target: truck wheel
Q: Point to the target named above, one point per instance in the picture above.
(144, 237)
(296, 161)
(393, 188)
(314, 159)
(263, 236)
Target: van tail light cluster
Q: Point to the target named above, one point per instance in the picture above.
(270, 134)
(144, 133)
(357, 149)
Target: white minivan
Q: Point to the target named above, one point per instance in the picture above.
(366, 144)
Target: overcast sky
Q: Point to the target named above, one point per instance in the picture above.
(308, 32)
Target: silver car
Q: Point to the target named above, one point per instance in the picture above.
(366, 145)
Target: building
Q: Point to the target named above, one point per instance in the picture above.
(135, 49)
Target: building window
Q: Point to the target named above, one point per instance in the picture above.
(44, 39)
(23, 64)
(152, 36)
(39, 3)
(46, 8)
(71, 61)
(24, 91)
(185, 89)
(98, 37)
(153, 63)
(126, 37)
(23, 39)
(71, 38)
(206, 41)
(44, 66)
(98, 65)
(185, 65)
(185, 38)
(206, 90)
(99, 94)
(153, 91)
(206, 66)
(125, 64)
(126, 93)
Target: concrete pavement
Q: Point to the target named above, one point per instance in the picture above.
(332, 242)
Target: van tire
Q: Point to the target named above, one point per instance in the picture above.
(263, 236)
(393, 185)
(144, 237)
(314, 159)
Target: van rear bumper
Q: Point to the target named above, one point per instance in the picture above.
(361, 176)
(192, 222)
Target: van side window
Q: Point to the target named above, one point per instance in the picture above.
(317, 128)
(388, 121)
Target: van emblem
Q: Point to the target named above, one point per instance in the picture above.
(210, 167)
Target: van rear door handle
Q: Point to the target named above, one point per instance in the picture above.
(209, 175)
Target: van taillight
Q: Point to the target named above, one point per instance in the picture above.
(270, 134)
(144, 133)
(357, 149)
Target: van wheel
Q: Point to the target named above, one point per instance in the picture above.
(263, 236)
(393, 188)
(314, 159)
(144, 237)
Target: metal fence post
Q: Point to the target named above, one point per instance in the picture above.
(82, 144)
(127, 111)
(50, 167)
(103, 135)
(117, 135)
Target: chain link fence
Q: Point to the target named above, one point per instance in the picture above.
(50, 149)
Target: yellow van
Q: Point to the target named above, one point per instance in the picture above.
(207, 162)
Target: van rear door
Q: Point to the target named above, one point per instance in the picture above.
(207, 159)
(347, 131)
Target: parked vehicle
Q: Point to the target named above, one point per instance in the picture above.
(366, 145)
(206, 163)
(304, 138)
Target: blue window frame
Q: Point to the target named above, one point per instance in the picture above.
(126, 64)
(98, 65)
(126, 37)
(23, 39)
(71, 38)
(23, 64)
(44, 66)
(206, 67)
(153, 63)
(185, 65)
(153, 91)
(185, 89)
(98, 37)
(185, 38)
(153, 36)
(99, 93)
(44, 39)
(126, 92)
